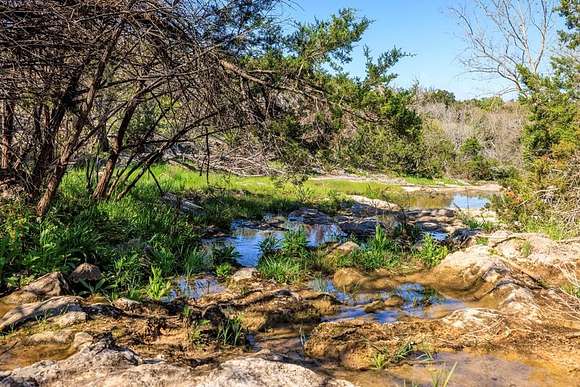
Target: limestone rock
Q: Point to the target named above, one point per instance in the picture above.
(310, 216)
(245, 274)
(70, 318)
(345, 248)
(25, 312)
(126, 304)
(49, 285)
(100, 364)
(364, 206)
(85, 272)
(250, 372)
(394, 301)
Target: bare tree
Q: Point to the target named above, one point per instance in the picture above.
(501, 35)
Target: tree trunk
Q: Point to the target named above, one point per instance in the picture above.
(7, 135)
(101, 189)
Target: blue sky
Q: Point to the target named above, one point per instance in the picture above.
(421, 27)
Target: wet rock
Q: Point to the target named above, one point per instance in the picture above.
(362, 227)
(85, 272)
(69, 319)
(374, 306)
(345, 249)
(394, 301)
(126, 304)
(245, 274)
(309, 216)
(100, 364)
(247, 372)
(50, 337)
(49, 285)
(25, 312)
(473, 319)
(538, 255)
(462, 270)
(365, 207)
(184, 205)
(348, 278)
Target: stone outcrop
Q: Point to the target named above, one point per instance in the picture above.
(42, 309)
(49, 285)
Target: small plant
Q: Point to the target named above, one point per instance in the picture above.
(295, 242)
(380, 360)
(431, 252)
(478, 224)
(195, 334)
(269, 245)
(224, 253)
(481, 240)
(526, 249)
(158, 287)
(231, 331)
(280, 268)
(97, 288)
(196, 261)
(224, 270)
(321, 284)
(442, 377)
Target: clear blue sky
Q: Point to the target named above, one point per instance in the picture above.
(421, 27)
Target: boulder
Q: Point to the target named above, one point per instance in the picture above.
(245, 274)
(49, 285)
(100, 364)
(345, 249)
(85, 272)
(69, 319)
(42, 309)
(250, 372)
(126, 304)
(364, 206)
(309, 216)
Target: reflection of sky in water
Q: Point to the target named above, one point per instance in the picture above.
(197, 288)
(471, 202)
(418, 302)
(247, 240)
(427, 200)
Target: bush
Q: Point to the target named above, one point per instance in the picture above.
(431, 252)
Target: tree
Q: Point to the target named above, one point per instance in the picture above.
(501, 35)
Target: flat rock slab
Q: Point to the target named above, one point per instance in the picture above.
(42, 309)
(251, 372)
(49, 285)
(104, 364)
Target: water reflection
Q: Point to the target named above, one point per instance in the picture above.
(428, 200)
(417, 301)
(246, 238)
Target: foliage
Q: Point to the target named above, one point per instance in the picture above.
(280, 268)
(224, 269)
(231, 332)
(379, 251)
(158, 287)
(431, 252)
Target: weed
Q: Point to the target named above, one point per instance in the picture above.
(224, 270)
(295, 242)
(481, 240)
(431, 252)
(526, 249)
(269, 245)
(379, 360)
(280, 268)
(321, 284)
(195, 333)
(158, 287)
(224, 254)
(478, 224)
(97, 288)
(231, 331)
(442, 377)
(196, 261)
(379, 252)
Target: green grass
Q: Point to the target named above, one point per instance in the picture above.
(378, 252)
(426, 181)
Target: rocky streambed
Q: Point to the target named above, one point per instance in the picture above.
(492, 313)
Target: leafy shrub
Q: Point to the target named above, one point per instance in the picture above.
(431, 252)
(224, 270)
(269, 245)
(196, 261)
(295, 242)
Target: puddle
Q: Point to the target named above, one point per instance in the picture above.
(428, 200)
(417, 301)
(471, 370)
(246, 237)
(196, 288)
(20, 355)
